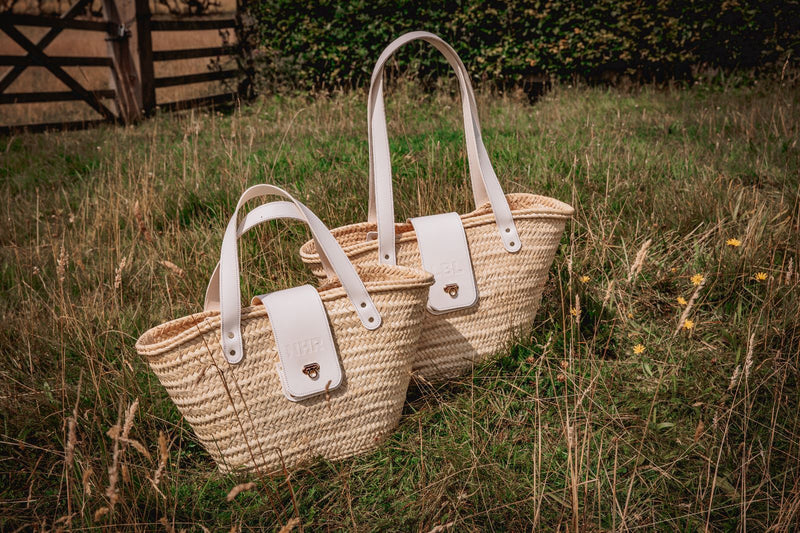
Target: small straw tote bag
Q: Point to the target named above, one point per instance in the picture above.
(299, 373)
(490, 266)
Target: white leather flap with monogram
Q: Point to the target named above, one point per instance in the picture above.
(309, 364)
(445, 254)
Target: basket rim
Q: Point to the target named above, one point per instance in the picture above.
(542, 207)
(153, 343)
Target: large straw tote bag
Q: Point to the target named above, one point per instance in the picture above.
(490, 266)
(299, 373)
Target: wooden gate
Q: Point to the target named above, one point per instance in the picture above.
(133, 90)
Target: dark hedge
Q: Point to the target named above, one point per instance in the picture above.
(324, 43)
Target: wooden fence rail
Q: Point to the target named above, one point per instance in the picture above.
(133, 89)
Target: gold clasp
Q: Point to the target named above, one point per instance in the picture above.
(451, 289)
(311, 370)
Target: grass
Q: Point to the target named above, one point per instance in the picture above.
(568, 430)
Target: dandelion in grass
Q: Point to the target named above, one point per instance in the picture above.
(734, 242)
(576, 309)
(761, 276)
(584, 279)
(638, 349)
(697, 279)
(688, 324)
(681, 301)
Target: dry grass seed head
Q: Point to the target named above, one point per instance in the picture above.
(175, 269)
(61, 264)
(118, 273)
(638, 262)
(235, 491)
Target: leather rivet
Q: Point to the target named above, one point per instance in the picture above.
(363, 304)
(233, 352)
(230, 334)
(386, 256)
(371, 319)
(451, 289)
(512, 243)
(311, 370)
(508, 230)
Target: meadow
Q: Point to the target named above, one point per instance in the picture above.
(658, 389)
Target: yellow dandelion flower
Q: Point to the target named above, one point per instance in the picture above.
(638, 349)
(761, 276)
(733, 242)
(584, 279)
(688, 324)
(697, 279)
(575, 311)
(681, 300)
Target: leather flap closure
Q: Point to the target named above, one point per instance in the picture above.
(309, 364)
(445, 254)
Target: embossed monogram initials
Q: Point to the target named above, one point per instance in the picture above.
(449, 268)
(305, 346)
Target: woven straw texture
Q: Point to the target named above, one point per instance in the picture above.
(509, 285)
(239, 412)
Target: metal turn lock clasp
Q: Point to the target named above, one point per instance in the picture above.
(451, 289)
(311, 370)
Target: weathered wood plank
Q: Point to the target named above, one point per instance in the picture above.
(123, 71)
(61, 61)
(57, 22)
(191, 25)
(169, 55)
(144, 39)
(51, 96)
(186, 79)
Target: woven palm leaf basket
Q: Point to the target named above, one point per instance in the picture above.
(235, 402)
(511, 241)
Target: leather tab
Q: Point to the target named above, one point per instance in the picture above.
(309, 364)
(445, 254)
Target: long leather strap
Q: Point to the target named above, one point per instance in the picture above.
(333, 259)
(485, 185)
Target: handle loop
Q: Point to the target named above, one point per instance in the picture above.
(485, 185)
(224, 290)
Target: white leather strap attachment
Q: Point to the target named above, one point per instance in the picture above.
(308, 364)
(445, 254)
(333, 259)
(485, 185)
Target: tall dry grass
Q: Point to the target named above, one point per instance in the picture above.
(603, 418)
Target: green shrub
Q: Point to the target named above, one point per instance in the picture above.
(328, 43)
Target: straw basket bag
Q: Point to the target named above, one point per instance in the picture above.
(490, 266)
(299, 373)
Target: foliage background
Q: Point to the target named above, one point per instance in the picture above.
(328, 43)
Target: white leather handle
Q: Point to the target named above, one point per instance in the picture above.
(259, 215)
(485, 185)
(333, 259)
